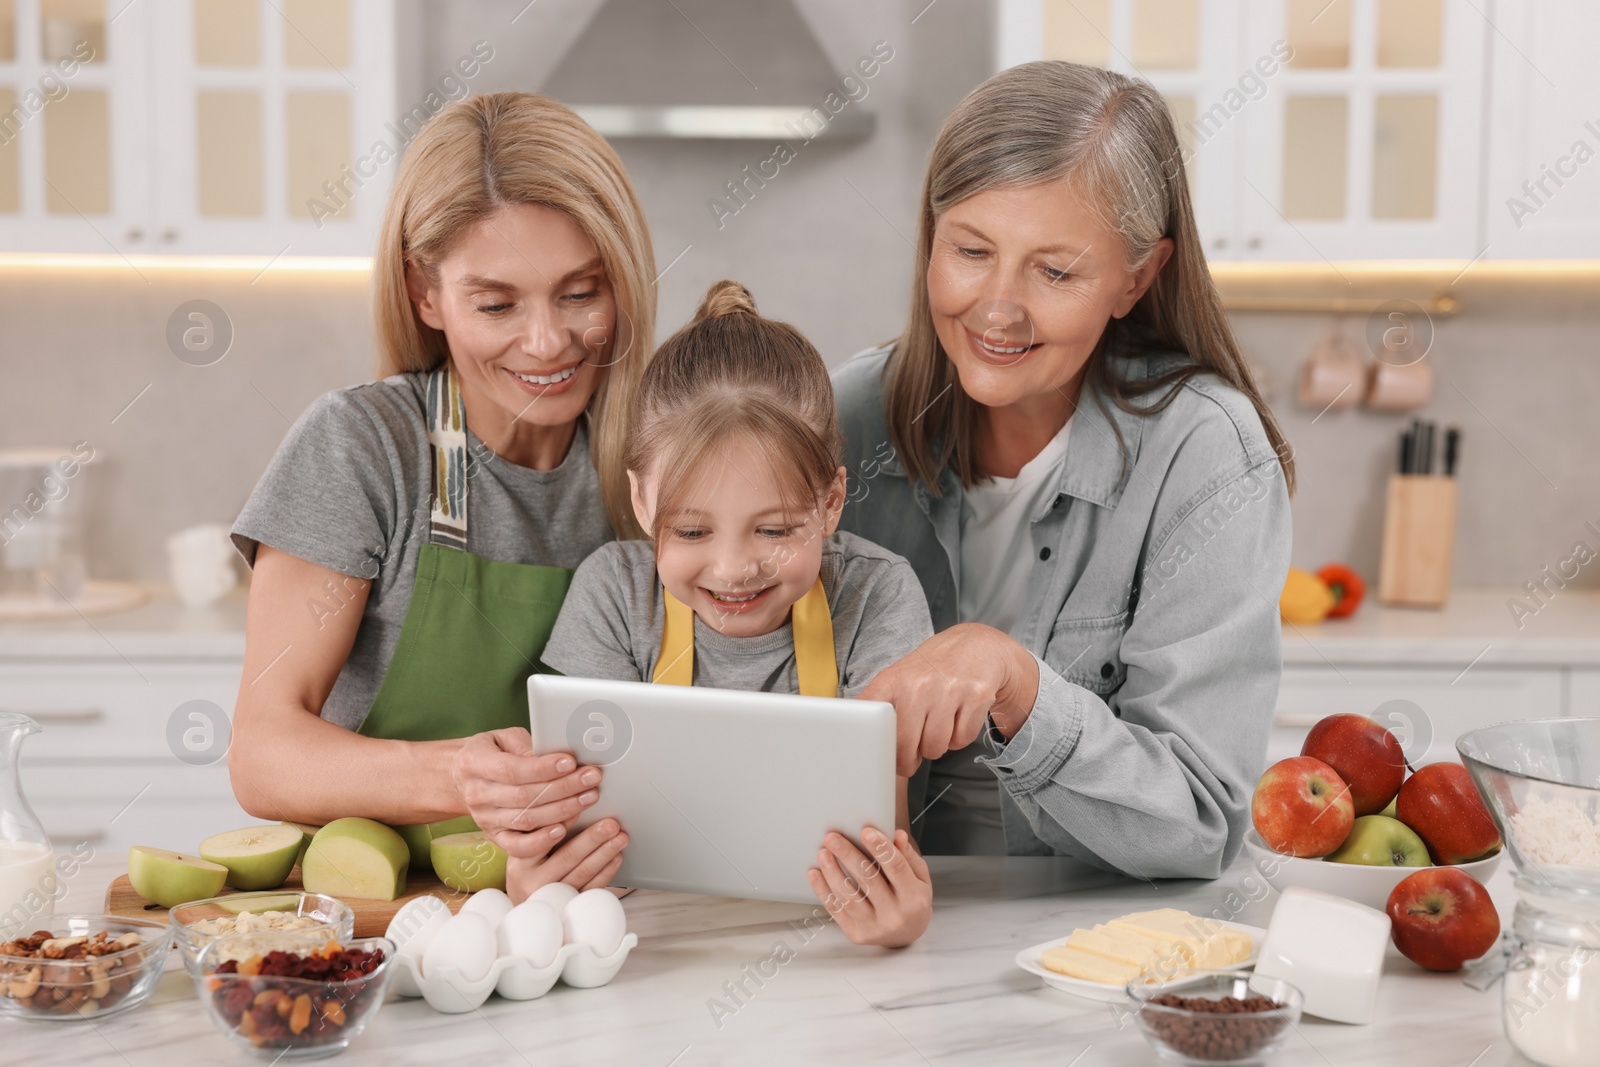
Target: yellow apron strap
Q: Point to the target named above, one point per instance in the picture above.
(675, 664)
(811, 620)
(813, 644)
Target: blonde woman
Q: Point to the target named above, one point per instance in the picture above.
(1066, 445)
(414, 537)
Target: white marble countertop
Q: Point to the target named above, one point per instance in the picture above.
(955, 997)
(1564, 632)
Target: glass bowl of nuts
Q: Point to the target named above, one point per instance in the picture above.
(1207, 1018)
(306, 997)
(200, 922)
(82, 967)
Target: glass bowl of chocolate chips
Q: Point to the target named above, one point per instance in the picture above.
(1212, 1018)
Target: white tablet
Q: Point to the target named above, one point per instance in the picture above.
(721, 791)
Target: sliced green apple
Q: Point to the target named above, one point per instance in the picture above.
(173, 878)
(356, 858)
(257, 857)
(418, 837)
(307, 832)
(469, 862)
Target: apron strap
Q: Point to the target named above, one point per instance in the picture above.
(447, 440)
(810, 618)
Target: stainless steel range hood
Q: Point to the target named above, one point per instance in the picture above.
(704, 69)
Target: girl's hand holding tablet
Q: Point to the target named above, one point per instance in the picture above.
(883, 899)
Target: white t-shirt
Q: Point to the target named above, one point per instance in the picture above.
(996, 560)
(997, 538)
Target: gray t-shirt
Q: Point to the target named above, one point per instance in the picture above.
(349, 490)
(611, 622)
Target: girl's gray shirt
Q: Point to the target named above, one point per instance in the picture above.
(1152, 615)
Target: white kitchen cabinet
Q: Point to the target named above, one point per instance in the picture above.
(1451, 702)
(1314, 129)
(1543, 193)
(102, 770)
(1583, 692)
(227, 126)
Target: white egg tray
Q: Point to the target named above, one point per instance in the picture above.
(513, 977)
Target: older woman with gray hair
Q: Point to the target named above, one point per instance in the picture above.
(1066, 444)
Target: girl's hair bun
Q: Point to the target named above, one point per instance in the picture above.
(726, 298)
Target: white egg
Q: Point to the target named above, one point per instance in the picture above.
(595, 918)
(465, 944)
(415, 924)
(492, 904)
(531, 930)
(556, 894)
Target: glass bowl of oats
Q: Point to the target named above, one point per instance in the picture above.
(269, 915)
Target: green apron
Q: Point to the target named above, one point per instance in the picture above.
(474, 628)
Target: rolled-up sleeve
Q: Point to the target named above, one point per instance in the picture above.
(1154, 779)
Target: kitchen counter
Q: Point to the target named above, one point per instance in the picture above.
(1475, 627)
(1566, 632)
(955, 997)
(160, 628)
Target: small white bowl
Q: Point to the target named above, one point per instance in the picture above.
(513, 977)
(1353, 881)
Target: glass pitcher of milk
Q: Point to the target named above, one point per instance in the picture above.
(27, 868)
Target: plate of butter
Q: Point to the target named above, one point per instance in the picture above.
(1098, 962)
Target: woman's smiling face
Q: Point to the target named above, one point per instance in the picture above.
(1021, 283)
(527, 309)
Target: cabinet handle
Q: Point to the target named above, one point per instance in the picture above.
(1221, 242)
(1255, 242)
(1296, 719)
(91, 837)
(66, 717)
(168, 236)
(135, 234)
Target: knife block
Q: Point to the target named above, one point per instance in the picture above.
(1419, 539)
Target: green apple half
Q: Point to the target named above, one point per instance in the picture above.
(172, 878)
(257, 857)
(307, 832)
(1379, 841)
(419, 836)
(356, 858)
(469, 862)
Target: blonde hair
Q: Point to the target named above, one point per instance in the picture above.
(731, 374)
(1110, 139)
(477, 156)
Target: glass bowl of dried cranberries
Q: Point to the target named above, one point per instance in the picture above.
(299, 996)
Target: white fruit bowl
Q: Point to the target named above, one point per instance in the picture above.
(1353, 881)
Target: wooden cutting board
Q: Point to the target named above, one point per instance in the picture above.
(372, 916)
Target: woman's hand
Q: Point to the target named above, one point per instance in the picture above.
(885, 899)
(520, 800)
(588, 861)
(945, 688)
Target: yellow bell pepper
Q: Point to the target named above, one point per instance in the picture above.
(1305, 599)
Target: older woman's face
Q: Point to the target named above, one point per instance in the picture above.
(527, 310)
(1021, 283)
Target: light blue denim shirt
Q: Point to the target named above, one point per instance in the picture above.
(1152, 612)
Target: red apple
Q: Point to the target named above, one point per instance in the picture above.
(1301, 807)
(1442, 918)
(1366, 755)
(1442, 805)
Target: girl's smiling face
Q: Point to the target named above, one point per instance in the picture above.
(735, 554)
(528, 312)
(1021, 283)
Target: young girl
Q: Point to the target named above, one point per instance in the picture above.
(732, 457)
